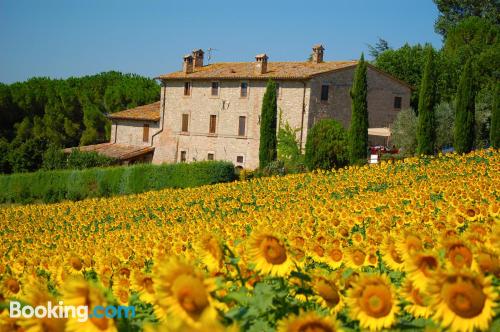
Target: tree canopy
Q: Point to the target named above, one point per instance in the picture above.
(65, 113)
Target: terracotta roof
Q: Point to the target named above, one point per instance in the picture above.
(115, 150)
(246, 70)
(150, 112)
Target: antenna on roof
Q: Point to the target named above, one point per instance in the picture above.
(209, 51)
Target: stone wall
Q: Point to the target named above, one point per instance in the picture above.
(228, 106)
(294, 98)
(131, 131)
(381, 93)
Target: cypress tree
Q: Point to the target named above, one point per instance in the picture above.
(268, 123)
(358, 130)
(463, 135)
(495, 120)
(426, 127)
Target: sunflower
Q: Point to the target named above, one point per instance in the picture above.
(182, 292)
(372, 301)
(327, 293)
(309, 321)
(487, 261)
(121, 294)
(79, 292)
(211, 252)
(463, 301)
(409, 243)
(458, 254)
(74, 264)
(11, 287)
(390, 255)
(419, 302)
(144, 285)
(356, 257)
(270, 254)
(421, 268)
(334, 257)
(37, 294)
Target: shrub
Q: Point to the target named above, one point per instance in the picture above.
(54, 158)
(326, 145)
(445, 117)
(495, 120)
(289, 149)
(404, 132)
(4, 154)
(54, 186)
(80, 160)
(28, 156)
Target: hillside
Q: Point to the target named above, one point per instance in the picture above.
(366, 247)
(41, 112)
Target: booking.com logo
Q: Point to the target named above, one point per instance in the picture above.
(81, 313)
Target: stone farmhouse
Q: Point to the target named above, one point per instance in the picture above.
(212, 112)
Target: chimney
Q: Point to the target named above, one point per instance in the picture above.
(187, 66)
(317, 56)
(261, 63)
(198, 58)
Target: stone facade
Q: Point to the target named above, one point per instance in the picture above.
(131, 131)
(300, 103)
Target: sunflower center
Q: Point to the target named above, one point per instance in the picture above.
(319, 250)
(329, 293)
(464, 299)
(413, 243)
(358, 257)
(13, 286)
(336, 255)
(376, 301)
(315, 327)
(190, 294)
(471, 212)
(100, 323)
(124, 272)
(274, 252)
(427, 265)
(486, 263)
(460, 256)
(148, 285)
(395, 256)
(76, 263)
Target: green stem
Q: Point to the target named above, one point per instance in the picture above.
(232, 255)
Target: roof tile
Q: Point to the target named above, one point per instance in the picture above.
(150, 112)
(246, 70)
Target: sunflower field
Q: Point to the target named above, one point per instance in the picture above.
(405, 245)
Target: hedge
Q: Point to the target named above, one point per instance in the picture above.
(55, 186)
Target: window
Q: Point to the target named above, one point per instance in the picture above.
(210, 156)
(145, 133)
(324, 92)
(241, 125)
(244, 90)
(183, 156)
(185, 123)
(213, 124)
(397, 102)
(187, 88)
(215, 89)
(239, 159)
(277, 90)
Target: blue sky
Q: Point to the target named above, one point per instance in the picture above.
(66, 38)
